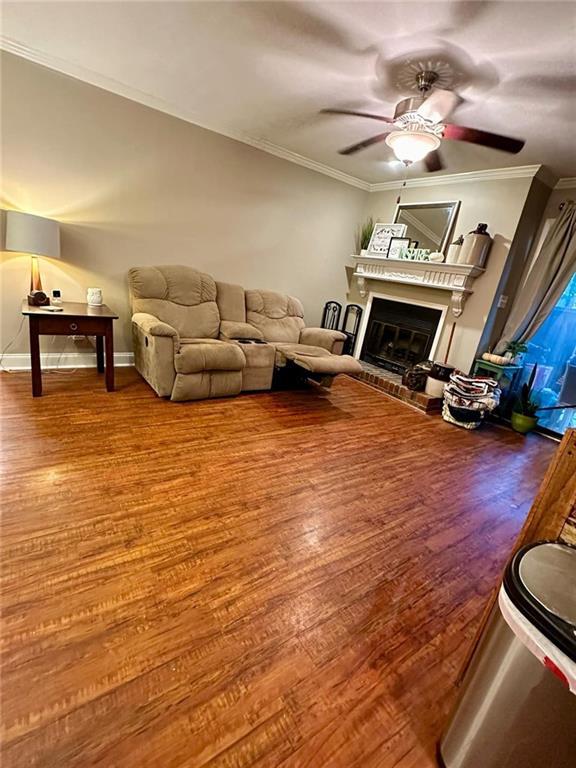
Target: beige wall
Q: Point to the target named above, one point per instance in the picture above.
(553, 205)
(135, 186)
(520, 253)
(499, 203)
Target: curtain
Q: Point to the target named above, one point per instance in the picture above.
(544, 280)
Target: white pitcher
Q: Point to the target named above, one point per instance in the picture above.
(94, 296)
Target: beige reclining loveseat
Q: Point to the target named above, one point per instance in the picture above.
(196, 338)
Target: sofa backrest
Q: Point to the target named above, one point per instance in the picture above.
(180, 296)
(279, 317)
(231, 302)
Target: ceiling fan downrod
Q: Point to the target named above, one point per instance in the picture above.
(426, 80)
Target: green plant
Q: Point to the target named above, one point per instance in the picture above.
(525, 402)
(516, 348)
(364, 234)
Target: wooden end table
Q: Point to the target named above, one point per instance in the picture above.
(74, 319)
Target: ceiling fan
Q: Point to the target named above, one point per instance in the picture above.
(417, 128)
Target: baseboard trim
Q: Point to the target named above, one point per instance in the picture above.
(21, 362)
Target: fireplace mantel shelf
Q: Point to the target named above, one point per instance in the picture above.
(456, 278)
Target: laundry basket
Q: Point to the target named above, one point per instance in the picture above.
(467, 399)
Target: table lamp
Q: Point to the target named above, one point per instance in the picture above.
(37, 236)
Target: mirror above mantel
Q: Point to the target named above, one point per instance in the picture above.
(429, 224)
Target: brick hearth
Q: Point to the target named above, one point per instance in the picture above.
(391, 384)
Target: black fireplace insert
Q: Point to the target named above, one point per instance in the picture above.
(399, 335)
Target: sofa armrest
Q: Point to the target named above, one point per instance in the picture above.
(333, 341)
(230, 329)
(153, 326)
(155, 344)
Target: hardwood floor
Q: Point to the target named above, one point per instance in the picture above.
(281, 579)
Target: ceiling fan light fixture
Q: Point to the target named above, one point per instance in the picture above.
(411, 146)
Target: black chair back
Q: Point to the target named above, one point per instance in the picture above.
(352, 317)
(331, 315)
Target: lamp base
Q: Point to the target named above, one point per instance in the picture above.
(38, 299)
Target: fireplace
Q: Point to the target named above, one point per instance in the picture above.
(398, 334)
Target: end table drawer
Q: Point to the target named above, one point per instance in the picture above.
(67, 326)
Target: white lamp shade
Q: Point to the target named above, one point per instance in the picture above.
(411, 146)
(36, 235)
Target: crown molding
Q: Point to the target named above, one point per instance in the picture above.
(294, 157)
(567, 183)
(517, 172)
(141, 97)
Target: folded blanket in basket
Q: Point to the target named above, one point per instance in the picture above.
(473, 387)
(472, 392)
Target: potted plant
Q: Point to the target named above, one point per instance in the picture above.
(514, 349)
(524, 417)
(364, 234)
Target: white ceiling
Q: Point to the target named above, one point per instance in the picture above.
(262, 70)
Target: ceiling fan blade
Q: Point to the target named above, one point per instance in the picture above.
(439, 105)
(363, 144)
(433, 161)
(356, 114)
(474, 136)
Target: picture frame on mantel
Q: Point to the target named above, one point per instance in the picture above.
(381, 236)
(397, 247)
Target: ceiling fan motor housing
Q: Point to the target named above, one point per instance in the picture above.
(408, 105)
(406, 117)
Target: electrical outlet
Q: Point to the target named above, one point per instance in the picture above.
(502, 301)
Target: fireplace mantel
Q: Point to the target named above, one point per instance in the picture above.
(456, 278)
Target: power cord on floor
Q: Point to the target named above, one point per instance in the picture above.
(7, 347)
(55, 369)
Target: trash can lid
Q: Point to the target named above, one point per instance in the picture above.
(541, 582)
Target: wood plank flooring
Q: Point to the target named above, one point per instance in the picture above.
(279, 580)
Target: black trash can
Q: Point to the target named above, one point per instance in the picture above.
(517, 707)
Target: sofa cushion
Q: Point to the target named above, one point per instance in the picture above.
(232, 330)
(258, 355)
(231, 302)
(180, 296)
(316, 359)
(305, 350)
(198, 355)
(323, 337)
(286, 352)
(279, 317)
(199, 386)
(329, 366)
